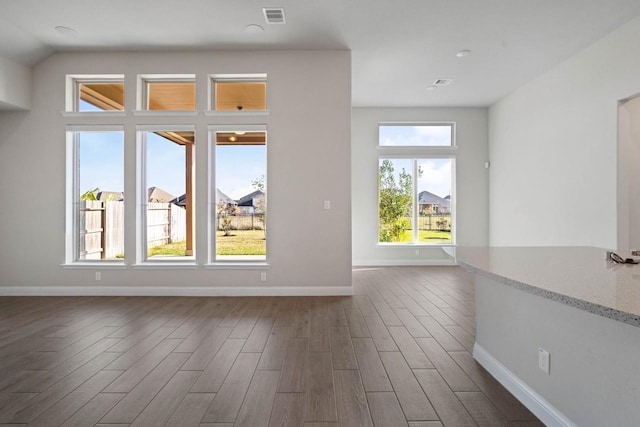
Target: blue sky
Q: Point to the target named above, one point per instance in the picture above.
(102, 164)
(436, 173)
(415, 136)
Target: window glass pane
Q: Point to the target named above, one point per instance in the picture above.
(237, 96)
(100, 96)
(100, 192)
(434, 200)
(169, 184)
(241, 204)
(395, 195)
(415, 136)
(171, 96)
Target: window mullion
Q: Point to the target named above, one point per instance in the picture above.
(414, 205)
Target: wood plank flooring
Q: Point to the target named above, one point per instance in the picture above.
(396, 353)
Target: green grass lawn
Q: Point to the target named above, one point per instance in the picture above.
(241, 242)
(170, 249)
(427, 236)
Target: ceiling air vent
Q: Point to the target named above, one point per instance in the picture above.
(442, 82)
(274, 15)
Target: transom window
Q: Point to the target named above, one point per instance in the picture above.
(96, 93)
(239, 92)
(416, 135)
(168, 93)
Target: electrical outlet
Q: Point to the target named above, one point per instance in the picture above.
(544, 360)
(327, 204)
(263, 276)
(98, 275)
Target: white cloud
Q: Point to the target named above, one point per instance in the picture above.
(436, 176)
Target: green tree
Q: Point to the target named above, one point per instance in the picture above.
(395, 203)
(258, 184)
(90, 194)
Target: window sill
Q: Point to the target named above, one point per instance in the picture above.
(165, 113)
(93, 114)
(415, 245)
(240, 113)
(105, 265)
(166, 266)
(237, 265)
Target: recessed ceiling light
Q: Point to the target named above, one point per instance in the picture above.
(66, 31)
(463, 53)
(254, 29)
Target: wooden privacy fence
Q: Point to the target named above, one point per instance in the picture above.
(248, 221)
(101, 227)
(434, 222)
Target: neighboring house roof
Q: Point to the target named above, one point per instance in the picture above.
(115, 196)
(158, 195)
(220, 197)
(248, 199)
(428, 198)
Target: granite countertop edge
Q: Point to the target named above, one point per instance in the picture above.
(608, 312)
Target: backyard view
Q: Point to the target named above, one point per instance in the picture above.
(414, 194)
(166, 166)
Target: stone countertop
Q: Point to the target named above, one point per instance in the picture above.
(580, 277)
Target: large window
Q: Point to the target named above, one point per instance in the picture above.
(239, 202)
(416, 184)
(167, 193)
(155, 142)
(95, 188)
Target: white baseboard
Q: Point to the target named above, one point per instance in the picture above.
(185, 291)
(537, 404)
(402, 262)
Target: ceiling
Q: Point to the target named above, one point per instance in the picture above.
(398, 47)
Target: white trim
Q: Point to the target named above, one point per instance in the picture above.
(104, 265)
(241, 113)
(546, 412)
(237, 265)
(401, 262)
(164, 113)
(93, 114)
(175, 291)
(166, 265)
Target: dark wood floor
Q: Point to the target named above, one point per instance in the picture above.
(397, 353)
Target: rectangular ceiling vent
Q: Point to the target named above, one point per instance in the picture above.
(274, 15)
(442, 82)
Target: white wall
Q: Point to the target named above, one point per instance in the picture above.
(553, 148)
(15, 85)
(629, 174)
(309, 95)
(594, 373)
(472, 190)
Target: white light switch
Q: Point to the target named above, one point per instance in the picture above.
(327, 204)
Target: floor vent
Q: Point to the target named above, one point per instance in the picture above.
(274, 15)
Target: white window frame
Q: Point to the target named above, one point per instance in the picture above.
(416, 153)
(232, 78)
(72, 193)
(212, 210)
(142, 99)
(142, 198)
(72, 93)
